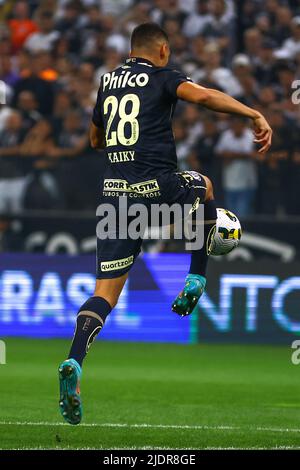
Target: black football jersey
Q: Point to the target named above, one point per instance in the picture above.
(135, 105)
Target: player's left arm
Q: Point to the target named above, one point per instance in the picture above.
(97, 137)
(218, 101)
(97, 131)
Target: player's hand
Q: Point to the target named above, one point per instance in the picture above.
(263, 133)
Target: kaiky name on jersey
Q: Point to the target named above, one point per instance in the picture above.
(121, 157)
(113, 81)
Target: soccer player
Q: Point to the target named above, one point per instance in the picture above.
(132, 120)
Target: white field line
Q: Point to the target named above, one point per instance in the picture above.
(156, 426)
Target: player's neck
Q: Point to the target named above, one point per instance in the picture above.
(142, 55)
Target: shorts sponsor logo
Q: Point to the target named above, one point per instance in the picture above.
(116, 264)
(122, 186)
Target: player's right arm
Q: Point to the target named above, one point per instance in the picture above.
(218, 101)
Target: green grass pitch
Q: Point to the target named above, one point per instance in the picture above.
(153, 396)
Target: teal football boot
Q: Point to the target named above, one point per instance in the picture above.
(69, 383)
(187, 300)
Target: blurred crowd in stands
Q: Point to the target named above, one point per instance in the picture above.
(53, 52)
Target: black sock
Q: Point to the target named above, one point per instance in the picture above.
(199, 258)
(90, 320)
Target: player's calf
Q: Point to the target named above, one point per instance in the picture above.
(187, 299)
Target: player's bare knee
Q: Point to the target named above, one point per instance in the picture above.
(112, 300)
(110, 289)
(209, 189)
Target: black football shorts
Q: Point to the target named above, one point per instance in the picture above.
(116, 252)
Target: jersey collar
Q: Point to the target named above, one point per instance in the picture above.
(139, 60)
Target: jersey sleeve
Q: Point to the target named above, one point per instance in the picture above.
(173, 78)
(97, 116)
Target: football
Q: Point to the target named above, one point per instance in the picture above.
(227, 233)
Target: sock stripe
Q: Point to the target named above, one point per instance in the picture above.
(87, 313)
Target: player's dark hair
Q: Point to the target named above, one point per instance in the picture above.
(145, 34)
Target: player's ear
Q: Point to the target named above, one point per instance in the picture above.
(164, 51)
